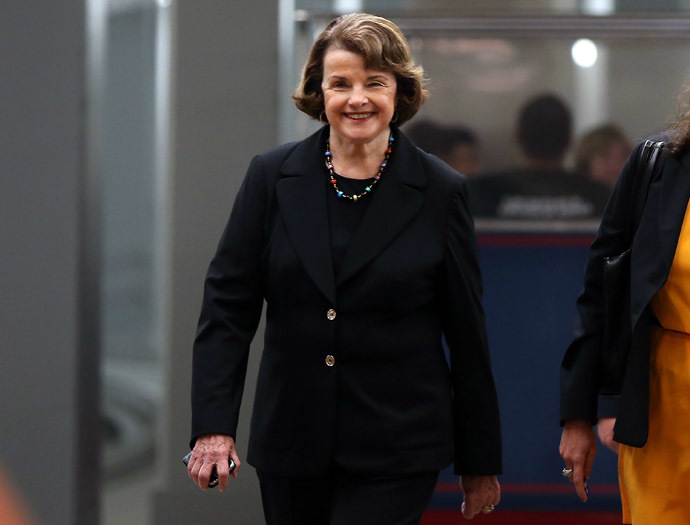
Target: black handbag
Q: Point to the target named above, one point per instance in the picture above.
(616, 282)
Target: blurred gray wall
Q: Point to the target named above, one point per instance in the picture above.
(48, 355)
(224, 112)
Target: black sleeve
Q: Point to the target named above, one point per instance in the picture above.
(477, 429)
(230, 313)
(580, 368)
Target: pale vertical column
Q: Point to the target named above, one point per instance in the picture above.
(224, 110)
(347, 6)
(599, 7)
(163, 139)
(591, 104)
(87, 447)
(591, 82)
(288, 76)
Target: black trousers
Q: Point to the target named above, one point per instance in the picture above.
(342, 498)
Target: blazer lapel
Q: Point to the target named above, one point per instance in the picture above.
(396, 202)
(301, 194)
(657, 237)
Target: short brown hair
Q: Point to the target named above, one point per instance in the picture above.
(596, 143)
(382, 46)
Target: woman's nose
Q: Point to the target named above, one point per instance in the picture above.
(358, 97)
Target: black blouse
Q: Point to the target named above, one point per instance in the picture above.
(344, 215)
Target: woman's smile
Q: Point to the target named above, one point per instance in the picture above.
(358, 116)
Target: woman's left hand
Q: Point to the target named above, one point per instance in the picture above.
(482, 493)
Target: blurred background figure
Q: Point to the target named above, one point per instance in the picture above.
(541, 188)
(456, 145)
(601, 153)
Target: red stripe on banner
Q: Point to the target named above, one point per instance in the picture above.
(535, 240)
(534, 488)
(437, 517)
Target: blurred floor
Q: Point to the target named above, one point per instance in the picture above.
(131, 393)
(127, 500)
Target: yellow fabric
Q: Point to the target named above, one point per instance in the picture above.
(655, 479)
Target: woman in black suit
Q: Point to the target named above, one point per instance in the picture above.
(650, 417)
(363, 248)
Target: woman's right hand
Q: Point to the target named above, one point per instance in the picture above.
(213, 450)
(605, 432)
(578, 448)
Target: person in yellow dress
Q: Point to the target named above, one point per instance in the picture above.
(650, 416)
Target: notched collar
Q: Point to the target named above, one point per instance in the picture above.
(301, 194)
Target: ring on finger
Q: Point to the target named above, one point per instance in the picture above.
(488, 508)
(567, 473)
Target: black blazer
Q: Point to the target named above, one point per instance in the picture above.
(389, 403)
(652, 253)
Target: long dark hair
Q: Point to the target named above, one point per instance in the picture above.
(679, 132)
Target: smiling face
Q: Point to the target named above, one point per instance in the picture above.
(359, 102)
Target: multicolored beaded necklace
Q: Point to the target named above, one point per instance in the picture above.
(367, 190)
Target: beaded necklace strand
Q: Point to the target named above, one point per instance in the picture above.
(367, 190)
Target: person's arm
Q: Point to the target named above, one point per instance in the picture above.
(580, 368)
(230, 313)
(477, 433)
(476, 419)
(477, 430)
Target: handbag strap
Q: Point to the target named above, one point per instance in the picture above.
(645, 172)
